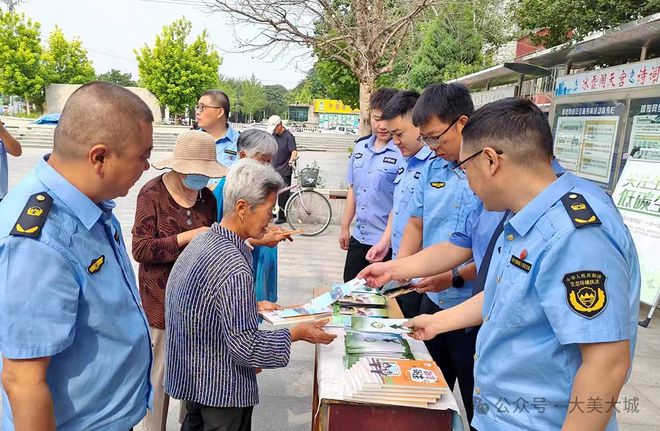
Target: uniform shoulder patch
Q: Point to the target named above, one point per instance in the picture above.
(585, 292)
(33, 216)
(579, 211)
(437, 184)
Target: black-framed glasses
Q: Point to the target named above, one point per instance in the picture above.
(434, 141)
(201, 107)
(458, 169)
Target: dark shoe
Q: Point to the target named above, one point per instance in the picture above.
(280, 221)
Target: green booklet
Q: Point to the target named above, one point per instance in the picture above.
(374, 344)
(367, 324)
(363, 300)
(360, 311)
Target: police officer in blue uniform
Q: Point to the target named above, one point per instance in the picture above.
(561, 298)
(398, 121)
(441, 205)
(74, 338)
(371, 173)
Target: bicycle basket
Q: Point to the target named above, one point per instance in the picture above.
(308, 177)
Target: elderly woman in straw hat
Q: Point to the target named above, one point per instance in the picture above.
(171, 210)
(214, 345)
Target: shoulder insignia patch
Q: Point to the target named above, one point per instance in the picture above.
(358, 155)
(33, 216)
(400, 171)
(231, 152)
(437, 184)
(362, 138)
(579, 210)
(585, 292)
(390, 160)
(96, 264)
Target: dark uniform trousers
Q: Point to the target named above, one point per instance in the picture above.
(356, 258)
(454, 353)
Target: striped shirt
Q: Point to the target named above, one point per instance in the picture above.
(213, 340)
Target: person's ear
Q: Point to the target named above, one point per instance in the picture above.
(493, 159)
(97, 157)
(242, 208)
(242, 155)
(462, 120)
(221, 113)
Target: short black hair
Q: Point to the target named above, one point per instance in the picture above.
(381, 97)
(446, 102)
(220, 99)
(514, 125)
(401, 104)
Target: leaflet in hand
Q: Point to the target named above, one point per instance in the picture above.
(390, 326)
(303, 310)
(337, 291)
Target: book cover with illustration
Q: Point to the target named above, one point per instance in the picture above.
(367, 324)
(360, 311)
(363, 300)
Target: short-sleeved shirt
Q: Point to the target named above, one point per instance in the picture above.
(286, 144)
(226, 148)
(371, 173)
(4, 170)
(406, 181)
(552, 286)
(70, 294)
(443, 201)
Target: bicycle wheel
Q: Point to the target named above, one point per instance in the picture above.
(310, 211)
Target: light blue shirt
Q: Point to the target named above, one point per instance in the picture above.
(405, 182)
(443, 201)
(4, 170)
(87, 318)
(551, 287)
(226, 148)
(371, 173)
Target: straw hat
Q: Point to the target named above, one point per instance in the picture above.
(194, 153)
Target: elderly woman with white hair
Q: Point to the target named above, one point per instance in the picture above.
(214, 346)
(260, 146)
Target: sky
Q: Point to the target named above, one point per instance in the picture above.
(111, 29)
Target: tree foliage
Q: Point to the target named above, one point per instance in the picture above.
(66, 62)
(451, 47)
(276, 98)
(251, 97)
(117, 77)
(21, 70)
(176, 71)
(574, 19)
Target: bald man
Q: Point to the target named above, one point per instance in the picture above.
(74, 339)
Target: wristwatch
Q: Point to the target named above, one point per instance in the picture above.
(456, 279)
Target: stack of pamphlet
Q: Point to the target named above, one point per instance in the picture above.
(400, 382)
(303, 313)
(361, 344)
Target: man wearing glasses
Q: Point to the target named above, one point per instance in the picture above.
(211, 114)
(440, 206)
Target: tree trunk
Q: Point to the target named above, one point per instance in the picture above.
(27, 105)
(366, 88)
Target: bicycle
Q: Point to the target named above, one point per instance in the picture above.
(306, 209)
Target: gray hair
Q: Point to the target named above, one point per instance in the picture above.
(251, 181)
(255, 141)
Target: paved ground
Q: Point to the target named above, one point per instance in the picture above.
(309, 262)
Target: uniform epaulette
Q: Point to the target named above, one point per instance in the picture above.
(363, 138)
(33, 216)
(579, 210)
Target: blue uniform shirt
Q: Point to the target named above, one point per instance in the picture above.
(226, 148)
(443, 201)
(550, 287)
(4, 170)
(405, 182)
(59, 299)
(371, 173)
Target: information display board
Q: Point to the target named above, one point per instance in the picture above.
(586, 138)
(643, 134)
(637, 196)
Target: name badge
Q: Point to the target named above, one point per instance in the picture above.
(522, 264)
(231, 152)
(390, 160)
